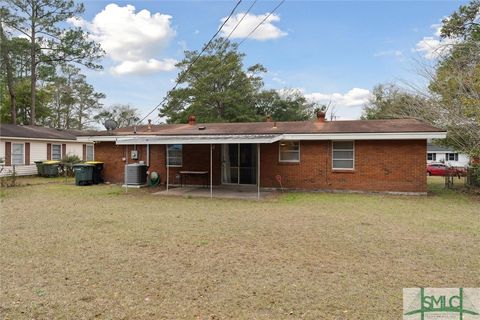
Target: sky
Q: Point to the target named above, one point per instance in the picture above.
(333, 51)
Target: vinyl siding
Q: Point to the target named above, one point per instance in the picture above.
(38, 152)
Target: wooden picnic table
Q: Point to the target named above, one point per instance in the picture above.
(185, 174)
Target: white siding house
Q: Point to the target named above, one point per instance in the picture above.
(438, 154)
(23, 145)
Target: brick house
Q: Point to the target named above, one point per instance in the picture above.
(358, 155)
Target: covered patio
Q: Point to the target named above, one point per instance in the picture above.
(236, 181)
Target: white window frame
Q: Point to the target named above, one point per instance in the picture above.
(51, 151)
(168, 156)
(455, 156)
(23, 153)
(86, 152)
(290, 151)
(353, 159)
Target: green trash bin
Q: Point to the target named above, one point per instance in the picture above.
(97, 171)
(50, 168)
(83, 174)
(39, 165)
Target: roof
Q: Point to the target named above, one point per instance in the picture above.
(435, 148)
(34, 132)
(203, 139)
(289, 127)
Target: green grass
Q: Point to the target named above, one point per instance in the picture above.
(71, 252)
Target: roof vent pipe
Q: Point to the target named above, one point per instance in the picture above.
(149, 126)
(268, 119)
(192, 120)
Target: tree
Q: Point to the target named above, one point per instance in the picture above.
(73, 100)
(389, 101)
(124, 115)
(452, 99)
(286, 105)
(40, 21)
(217, 88)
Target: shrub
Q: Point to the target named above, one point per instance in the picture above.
(67, 163)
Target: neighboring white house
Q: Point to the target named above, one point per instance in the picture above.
(437, 154)
(22, 145)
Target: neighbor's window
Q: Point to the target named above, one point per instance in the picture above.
(289, 151)
(89, 152)
(174, 155)
(452, 156)
(56, 151)
(431, 156)
(343, 155)
(17, 153)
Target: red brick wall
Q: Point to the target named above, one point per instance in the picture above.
(195, 158)
(380, 165)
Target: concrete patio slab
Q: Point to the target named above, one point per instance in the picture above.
(227, 192)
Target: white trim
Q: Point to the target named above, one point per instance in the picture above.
(23, 154)
(200, 139)
(366, 136)
(51, 151)
(269, 138)
(167, 160)
(353, 160)
(86, 152)
(288, 161)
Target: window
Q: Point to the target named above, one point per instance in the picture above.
(17, 153)
(174, 155)
(289, 151)
(89, 152)
(56, 151)
(343, 155)
(431, 156)
(452, 156)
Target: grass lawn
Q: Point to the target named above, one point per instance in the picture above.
(71, 252)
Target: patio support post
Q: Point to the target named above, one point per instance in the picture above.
(211, 180)
(258, 170)
(168, 167)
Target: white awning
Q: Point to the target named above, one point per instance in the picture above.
(207, 139)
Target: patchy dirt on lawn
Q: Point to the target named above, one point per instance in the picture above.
(71, 252)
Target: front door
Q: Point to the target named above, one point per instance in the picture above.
(239, 164)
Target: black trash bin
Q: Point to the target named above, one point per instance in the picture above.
(39, 165)
(50, 168)
(83, 174)
(97, 171)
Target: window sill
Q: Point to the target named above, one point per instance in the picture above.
(174, 166)
(343, 170)
(288, 162)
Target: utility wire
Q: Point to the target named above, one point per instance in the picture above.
(231, 32)
(262, 22)
(192, 63)
(240, 21)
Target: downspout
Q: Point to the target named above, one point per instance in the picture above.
(168, 167)
(211, 180)
(148, 155)
(258, 171)
(125, 168)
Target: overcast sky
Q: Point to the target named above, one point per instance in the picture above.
(331, 50)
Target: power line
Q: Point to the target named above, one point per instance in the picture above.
(262, 22)
(193, 62)
(231, 32)
(240, 21)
